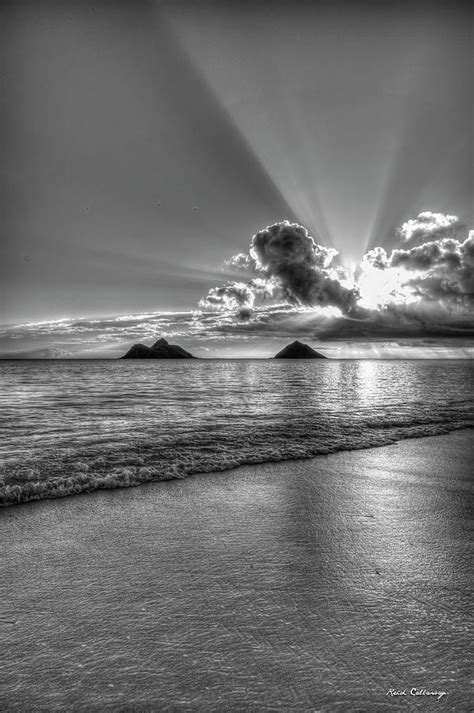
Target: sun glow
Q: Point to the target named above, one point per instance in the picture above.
(378, 288)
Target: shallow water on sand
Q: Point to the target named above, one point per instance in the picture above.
(308, 586)
(71, 426)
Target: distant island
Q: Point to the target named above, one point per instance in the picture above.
(159, 350)
(298, 350)
(162, 349)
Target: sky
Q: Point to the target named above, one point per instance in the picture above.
(234, 175)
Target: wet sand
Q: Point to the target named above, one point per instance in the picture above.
(313, 585)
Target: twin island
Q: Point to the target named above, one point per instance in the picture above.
(163, 350)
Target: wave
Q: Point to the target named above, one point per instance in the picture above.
(145, 462)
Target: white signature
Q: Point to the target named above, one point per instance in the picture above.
(416, 692)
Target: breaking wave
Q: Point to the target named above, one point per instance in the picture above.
(145, 463)
(76, 446)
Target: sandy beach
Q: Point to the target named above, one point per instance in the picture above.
(314, 585)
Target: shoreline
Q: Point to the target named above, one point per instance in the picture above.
(86, 482)
(317, 584)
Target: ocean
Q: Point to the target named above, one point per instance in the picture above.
(75, 426)
(296, 586)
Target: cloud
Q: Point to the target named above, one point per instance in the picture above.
(242, 262)
(445, 252)
(421, 289)
(98, 336)
(377, 257)
(392, 322)
(45, 353)
(234, 295)
(290, 287)
(289, 265)
(399, 322)
(439, 271)
(430, 226)
(286, 252)
(229, 296)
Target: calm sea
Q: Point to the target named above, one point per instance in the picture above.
(74, 426)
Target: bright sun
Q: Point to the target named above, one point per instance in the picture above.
(381, 287)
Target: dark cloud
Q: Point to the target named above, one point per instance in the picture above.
(285, 263)
(285, 251)
(445, 252)
(244, 314)
(391, 322)
(396, 323)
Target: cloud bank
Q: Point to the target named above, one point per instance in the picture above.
(423, 287)
(288, 285)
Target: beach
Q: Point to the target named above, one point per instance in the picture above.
(337, 583)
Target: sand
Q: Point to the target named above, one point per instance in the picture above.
(330, 584)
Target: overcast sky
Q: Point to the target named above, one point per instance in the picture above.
(145, 143)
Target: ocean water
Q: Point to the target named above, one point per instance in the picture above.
(74, 426)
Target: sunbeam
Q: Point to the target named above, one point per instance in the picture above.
(237, 163)
(351, 146)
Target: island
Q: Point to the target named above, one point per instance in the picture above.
(298, 350)
(159, 350)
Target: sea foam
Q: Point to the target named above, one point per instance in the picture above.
(76, 427)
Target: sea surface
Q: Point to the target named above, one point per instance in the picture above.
(73, 426)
